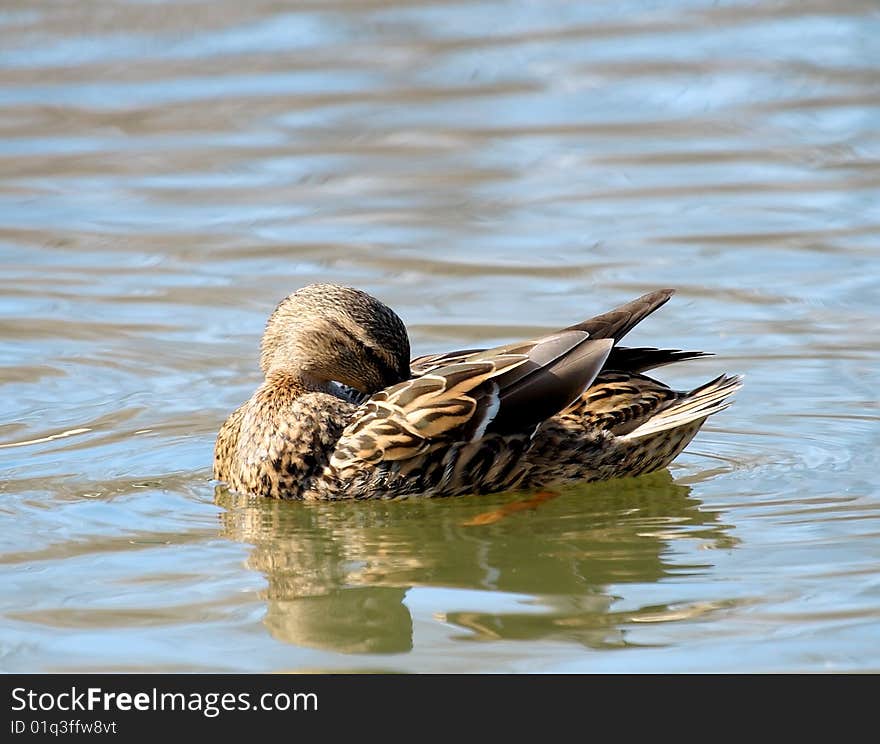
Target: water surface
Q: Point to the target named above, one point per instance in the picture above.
(492, 170)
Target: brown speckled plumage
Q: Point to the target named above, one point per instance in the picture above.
(343, 413)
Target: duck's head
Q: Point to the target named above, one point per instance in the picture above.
(325, 332)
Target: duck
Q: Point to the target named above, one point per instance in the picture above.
(343, 412)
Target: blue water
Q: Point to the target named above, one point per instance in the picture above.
(169, 171)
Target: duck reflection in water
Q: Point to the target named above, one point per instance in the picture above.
(339, 574)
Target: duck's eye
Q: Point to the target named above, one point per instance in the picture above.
(388, 373)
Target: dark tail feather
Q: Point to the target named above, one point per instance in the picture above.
(642, 358)
(620, 321)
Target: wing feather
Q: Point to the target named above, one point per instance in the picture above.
(407, 419)
(509, 389)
